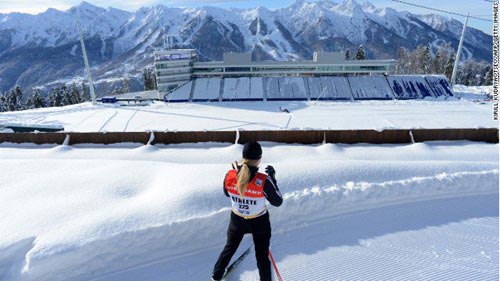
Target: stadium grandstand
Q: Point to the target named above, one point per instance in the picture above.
(328, 76)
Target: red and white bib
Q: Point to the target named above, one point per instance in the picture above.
(253, 203)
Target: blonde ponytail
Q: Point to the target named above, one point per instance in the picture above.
(244, 175)
(243, 178)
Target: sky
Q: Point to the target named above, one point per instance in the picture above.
(480, 8)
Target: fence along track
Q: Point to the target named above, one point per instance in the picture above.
(489, 135)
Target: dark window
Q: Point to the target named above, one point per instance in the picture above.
(237, 69)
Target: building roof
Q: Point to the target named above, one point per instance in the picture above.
(154, 94)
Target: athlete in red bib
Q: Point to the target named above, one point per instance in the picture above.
(248, 191)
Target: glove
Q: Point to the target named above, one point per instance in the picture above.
(270, 171)
(235, 165)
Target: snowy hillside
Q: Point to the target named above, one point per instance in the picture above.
(55, 28)
(44, 48)
(351, 212)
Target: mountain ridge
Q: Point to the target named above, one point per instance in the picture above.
(43, 49)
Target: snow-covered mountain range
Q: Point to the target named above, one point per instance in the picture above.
(43, 49)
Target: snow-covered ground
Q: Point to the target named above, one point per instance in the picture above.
(376, 115)
(425, 211)
(473, 92)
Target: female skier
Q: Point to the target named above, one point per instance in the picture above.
(248, 189)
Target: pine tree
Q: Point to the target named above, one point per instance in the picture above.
(153, 80)
(149, 79)
(435, 67)
(55, 97)
(448, 70)
(438, 63)
(488, 77)
(126, 85)
(11, 99)
(29, 103)
(3, 102)
(85, 93)
(66, 96)
(116, 91)
(14, 99)
(426, 60)
(51, 98)
(146, 77)
(19, 96)
(75, 95)
(402, 61)
(58, 101)
(484, 68)
(38, 100)
(360, 54)
(347, 54)
(474, 73)
(414, 63)
(469, 73)
(417, 60)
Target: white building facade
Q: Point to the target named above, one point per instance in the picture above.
(173, 68)
(178, 66)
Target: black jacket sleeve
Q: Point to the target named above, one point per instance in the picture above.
(224, 187)
(272, 192)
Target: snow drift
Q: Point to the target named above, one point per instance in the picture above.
(85, 212)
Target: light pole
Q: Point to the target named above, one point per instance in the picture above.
(459, 51)
(86, 60)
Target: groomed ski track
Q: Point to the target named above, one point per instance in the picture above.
(442, 239)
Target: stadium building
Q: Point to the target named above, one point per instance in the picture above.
(181, 77)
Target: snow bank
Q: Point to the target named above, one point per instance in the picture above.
(473, 92)
(355, 196)
(116, 208)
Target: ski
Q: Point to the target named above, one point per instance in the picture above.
(232, 266)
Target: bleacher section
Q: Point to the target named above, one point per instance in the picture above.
(337, 88)
(334, 88)
(206, 89)
(313, 87)
(407, 87)
(439, 85)
(256, 89)
(242, 88)
(273, 90)
(229, 93)
(294, 85)
(181, 94)
(370, 88)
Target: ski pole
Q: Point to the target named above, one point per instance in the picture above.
(275, 267)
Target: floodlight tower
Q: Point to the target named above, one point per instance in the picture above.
(86, 61)
(459, 51)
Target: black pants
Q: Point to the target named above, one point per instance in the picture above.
(260, 228)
